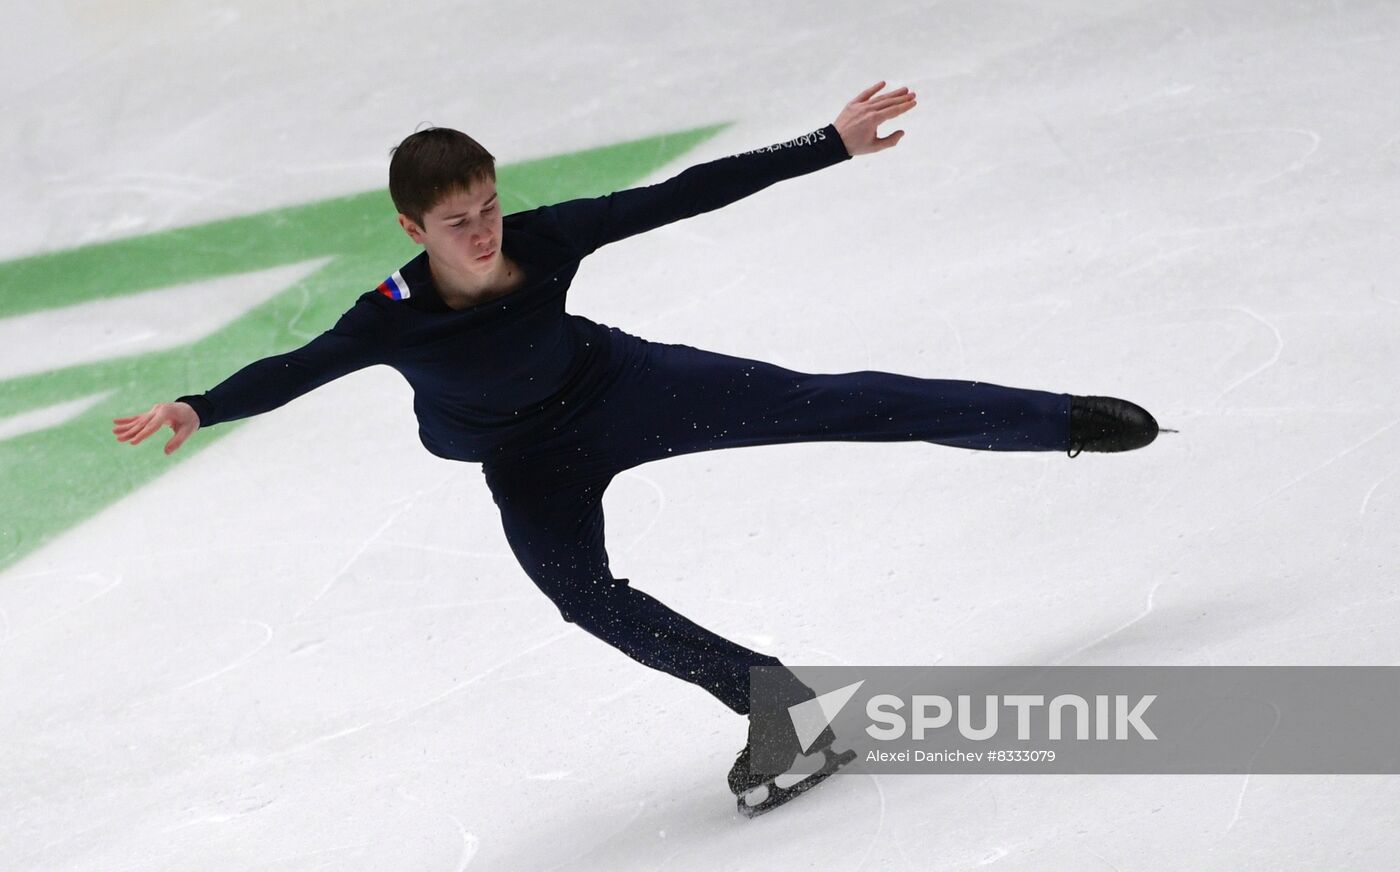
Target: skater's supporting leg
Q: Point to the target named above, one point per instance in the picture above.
(555, 529)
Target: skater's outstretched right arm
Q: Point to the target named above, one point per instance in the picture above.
(263, 385)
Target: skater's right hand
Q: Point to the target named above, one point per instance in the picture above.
(180, 417)
(857, 122)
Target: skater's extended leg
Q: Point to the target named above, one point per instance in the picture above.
(554, 524)
(677, 399)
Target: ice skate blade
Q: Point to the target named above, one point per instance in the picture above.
(768, 795)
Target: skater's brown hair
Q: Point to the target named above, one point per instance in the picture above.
(433, 163)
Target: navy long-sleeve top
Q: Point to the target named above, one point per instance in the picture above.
(482, 376)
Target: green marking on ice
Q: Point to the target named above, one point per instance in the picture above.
(58, 475)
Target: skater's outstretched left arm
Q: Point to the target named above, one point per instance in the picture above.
(592, 222)
(263, 385)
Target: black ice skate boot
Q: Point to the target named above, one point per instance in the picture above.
(1108, 424)
(758, 792)
(780, 733)
(742, 777)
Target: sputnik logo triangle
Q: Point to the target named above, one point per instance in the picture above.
(812, 716)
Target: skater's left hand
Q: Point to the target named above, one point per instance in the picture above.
(180, 417)
(857, 122)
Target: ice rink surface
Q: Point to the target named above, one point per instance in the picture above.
(303, 643)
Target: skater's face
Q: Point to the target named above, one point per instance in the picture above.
(463, 227)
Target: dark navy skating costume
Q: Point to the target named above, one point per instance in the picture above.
(553, 405)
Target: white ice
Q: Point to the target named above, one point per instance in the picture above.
(309, 646)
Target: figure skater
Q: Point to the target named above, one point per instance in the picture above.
(554, 405)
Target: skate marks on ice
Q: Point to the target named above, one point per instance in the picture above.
(683, 817)
(470, 842)
(416, 708)
(61, 593)
(1314, 470)
(1100, 640)
(1193, 171)
(1232, 163)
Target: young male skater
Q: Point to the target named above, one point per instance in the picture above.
(554, 405)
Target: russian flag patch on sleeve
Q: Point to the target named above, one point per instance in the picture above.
(394, 287)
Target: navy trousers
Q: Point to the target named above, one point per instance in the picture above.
(662, 400)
